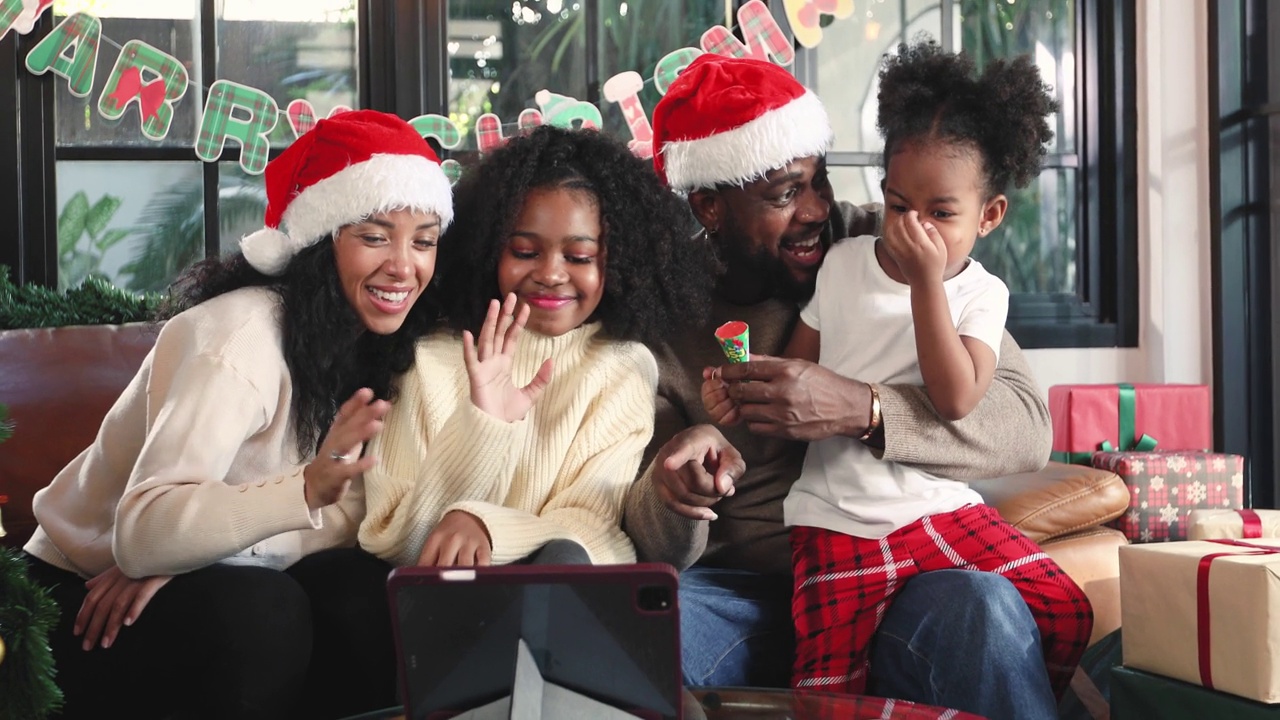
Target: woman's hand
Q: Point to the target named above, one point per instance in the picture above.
(327, 478)
(489, 361)
(114, 600)
(715, 399)
(459, 540)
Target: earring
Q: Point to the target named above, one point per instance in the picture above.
(709, 234)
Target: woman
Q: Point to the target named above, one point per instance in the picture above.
(228, 458)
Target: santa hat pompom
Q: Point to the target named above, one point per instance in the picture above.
(268, 250)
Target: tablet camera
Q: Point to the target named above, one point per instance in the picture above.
(654, 598)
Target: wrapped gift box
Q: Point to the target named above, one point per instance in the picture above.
(1201, 612)
(1136, 695)
(1092, 418)
(1165, 487)
(1233, 524)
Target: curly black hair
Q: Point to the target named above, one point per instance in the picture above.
(657, 276)
(928, 93)
(329, 352)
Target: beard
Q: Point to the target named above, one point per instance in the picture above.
(774, 278)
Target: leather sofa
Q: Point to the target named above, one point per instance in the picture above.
(60, 382)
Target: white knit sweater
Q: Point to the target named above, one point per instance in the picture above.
(197, 461)
(561, 473)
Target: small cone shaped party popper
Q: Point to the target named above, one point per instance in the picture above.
(735, 340)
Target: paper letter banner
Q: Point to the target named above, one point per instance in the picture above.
(166, 84)
(563, 111)
(805, 17)
(21, 15)
(624, 89)
(445, 132)
(220, 122)
(79, 34)
(765, 38)
(670, 66)
(489, 128)
(302, 116)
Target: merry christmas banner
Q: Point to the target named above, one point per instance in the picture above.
(154, 82)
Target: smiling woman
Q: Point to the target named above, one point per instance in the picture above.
(233, 452)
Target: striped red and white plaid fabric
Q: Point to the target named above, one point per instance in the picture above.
(844, 585)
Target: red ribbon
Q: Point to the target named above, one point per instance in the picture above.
(1252, 523)
(1202, 601)
(150, 96)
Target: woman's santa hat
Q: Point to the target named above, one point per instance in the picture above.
(343, 170)
(728, 121)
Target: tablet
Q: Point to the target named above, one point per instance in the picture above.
(595, 637)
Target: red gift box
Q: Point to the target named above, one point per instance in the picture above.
(1164, 487)
(1124, 416)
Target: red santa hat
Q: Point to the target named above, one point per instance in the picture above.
(346, 168)
(731, 120)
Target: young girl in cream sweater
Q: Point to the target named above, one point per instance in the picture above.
(503, 443)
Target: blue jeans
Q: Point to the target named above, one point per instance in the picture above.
(952, 638)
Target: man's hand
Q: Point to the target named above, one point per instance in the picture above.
(114, 600)
(797, 399)
(715, 399)
(917, 248)
(460, 539)
(695, 469)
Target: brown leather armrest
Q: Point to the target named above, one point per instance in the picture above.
(1058, 500)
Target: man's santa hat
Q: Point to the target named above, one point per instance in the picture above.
(343, 170)
(728, 121)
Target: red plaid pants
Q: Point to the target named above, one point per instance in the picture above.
(844, 585)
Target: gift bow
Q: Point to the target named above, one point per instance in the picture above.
(150, 95)
(1202, 601)
(1127, 411)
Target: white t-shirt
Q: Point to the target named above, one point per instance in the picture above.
(868, 334)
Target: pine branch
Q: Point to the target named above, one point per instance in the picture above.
(27, 614)
(94, 302)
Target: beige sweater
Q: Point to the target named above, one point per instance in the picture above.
(561, 473)
(196, 462)
(1007, 432)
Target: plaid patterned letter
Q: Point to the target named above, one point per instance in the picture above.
(805, 16)
(489, 128)
(155, 98)
(218, 124)
(624, 89)
(765, 39)
(80, 34)
(14, 14)
(670, 66)
(445, 132)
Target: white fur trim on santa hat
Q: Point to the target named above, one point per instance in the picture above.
(738, 156)
(382, 183)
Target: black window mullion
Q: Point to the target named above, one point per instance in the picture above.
(38, 188)
(208, 76)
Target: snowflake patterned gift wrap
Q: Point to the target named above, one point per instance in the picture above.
(1205, 612)
(1164, 487)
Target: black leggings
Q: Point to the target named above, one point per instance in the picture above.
(353, 667)
(225, 641)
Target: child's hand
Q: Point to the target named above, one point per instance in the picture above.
(715, 399)
(459, 540)
(919, 249)
(489, 364)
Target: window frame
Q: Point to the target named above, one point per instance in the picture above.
(1103, 311)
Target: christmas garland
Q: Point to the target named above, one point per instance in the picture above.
(27, 613)
(95, 302)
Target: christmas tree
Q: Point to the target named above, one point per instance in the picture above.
(27, 613)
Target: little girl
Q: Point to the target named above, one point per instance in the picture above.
(588, 249)
(913, 307)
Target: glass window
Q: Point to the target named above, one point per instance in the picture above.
(242, 202)
(135, 223)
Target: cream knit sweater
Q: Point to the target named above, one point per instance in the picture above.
(197, 461)
(561, 473)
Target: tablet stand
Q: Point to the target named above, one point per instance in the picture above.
(533, 698)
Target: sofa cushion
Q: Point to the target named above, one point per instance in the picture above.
(58, 384)
(1058, 500)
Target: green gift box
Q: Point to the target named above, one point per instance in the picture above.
(1138, 695)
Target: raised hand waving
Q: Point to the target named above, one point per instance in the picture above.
(489, 359)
